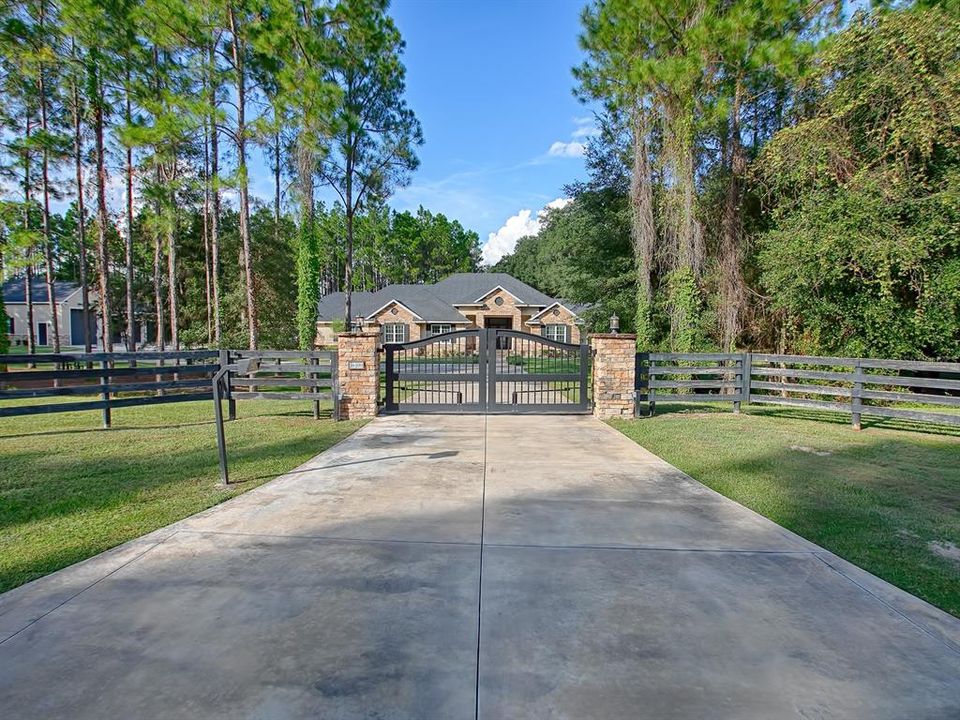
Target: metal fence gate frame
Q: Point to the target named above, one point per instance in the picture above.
(485, 372)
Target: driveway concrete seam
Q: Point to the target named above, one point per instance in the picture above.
(483, 508)
(650, 548)
(330, 538)
(950, 646)
(87, 587)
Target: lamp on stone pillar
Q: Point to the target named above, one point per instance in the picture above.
(358, 324)
(614, 324)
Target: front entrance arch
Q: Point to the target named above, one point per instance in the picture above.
(486, 370)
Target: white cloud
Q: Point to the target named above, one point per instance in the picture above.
(567, 149)
(585, 131)
(503, 241)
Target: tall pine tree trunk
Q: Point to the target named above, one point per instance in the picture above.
(28, 251)
(171, 226)
(215, 201)
(128, 244)
(103, 253)
(206, 229)
(276, 189)
(158, 277)
(45, 189)
(241, 141)
(81, 222)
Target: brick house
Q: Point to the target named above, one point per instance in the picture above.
(462, 301)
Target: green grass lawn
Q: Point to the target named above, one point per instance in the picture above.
(886, 498)
(70, 490)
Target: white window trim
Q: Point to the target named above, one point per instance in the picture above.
(550, 328)
(444, 328)
(389, 332)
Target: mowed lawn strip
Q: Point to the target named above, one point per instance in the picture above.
(886, 498)
(69, 490)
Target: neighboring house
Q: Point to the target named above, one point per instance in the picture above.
(69, 312)
(459, 302)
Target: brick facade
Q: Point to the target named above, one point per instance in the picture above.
(359, 374)
(397, 313)
(614, 375)
(558, 315)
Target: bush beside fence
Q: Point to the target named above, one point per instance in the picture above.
(859, 386)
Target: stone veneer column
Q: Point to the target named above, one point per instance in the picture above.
(358, 370)
(614, 375)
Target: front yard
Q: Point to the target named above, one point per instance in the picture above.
(886, 498)
(70, 490)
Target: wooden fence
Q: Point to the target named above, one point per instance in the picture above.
(904, 389)
(284, 375)
(150, 378)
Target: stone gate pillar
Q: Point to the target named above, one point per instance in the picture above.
(614, 375)
(358, 371)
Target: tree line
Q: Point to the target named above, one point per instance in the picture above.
(766, 176)
(145, 115)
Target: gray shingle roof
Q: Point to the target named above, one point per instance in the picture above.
(463, 288)
(433, 303)
(14, 291)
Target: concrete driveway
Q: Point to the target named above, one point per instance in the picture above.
(459, 567)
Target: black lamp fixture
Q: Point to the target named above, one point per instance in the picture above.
(614, 324)
(358, 324)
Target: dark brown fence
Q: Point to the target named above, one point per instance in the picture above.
(116, 379)
(284, 375)
(904, 389)
(69, 382)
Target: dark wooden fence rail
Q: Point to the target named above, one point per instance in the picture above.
(308, 375)
(150, 378)
(689, 377)
(859, 386)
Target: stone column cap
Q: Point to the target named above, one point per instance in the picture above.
(616, 336)
(364, 334)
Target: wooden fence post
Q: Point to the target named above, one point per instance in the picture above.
(231, 400)
(738, 382)
(315, 390)
(651, 403)
(747, 376)
(856, 404)
(105, 392)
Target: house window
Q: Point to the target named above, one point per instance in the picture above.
(560, 333)
(10, 329)
(395, 333)
(440, 328)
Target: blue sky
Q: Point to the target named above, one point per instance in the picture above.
(491, 84)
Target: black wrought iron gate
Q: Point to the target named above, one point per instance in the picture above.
(485, 371)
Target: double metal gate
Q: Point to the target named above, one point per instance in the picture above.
(486, 371)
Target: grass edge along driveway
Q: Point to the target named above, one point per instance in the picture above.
(886, 498)
(70, 490)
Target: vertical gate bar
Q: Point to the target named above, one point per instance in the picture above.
(388, 370)
(335, 384)
(481, 368)
(584, 370)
